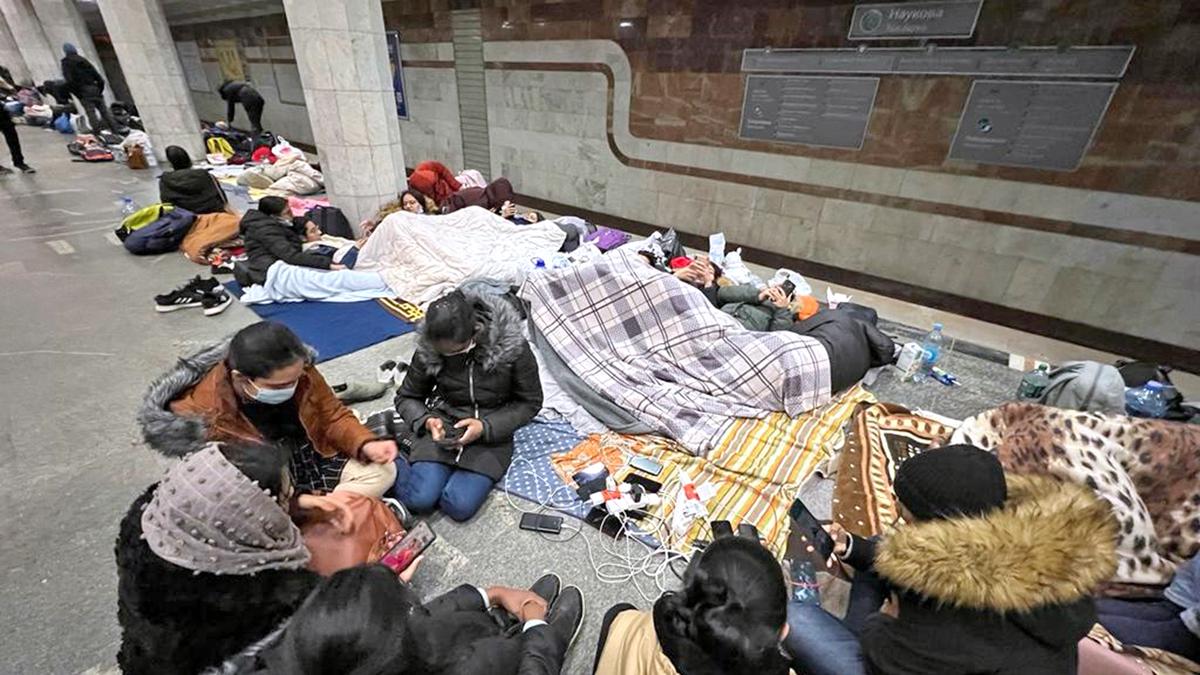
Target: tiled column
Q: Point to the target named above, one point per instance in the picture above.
(341, 53)
(144, 47)
(10, 55)
(62, 22)
(31, 41)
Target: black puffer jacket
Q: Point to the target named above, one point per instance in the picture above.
(854, 345)
(176, 621)
(191, 189)
(497, 383)
(269, 239)
(82, 77)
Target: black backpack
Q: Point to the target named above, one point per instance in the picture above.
(331, 220)
(1137, 373)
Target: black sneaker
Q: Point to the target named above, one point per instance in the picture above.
(215, 303)
(209, 285)
(5, 171)
(566, 616)
(180, 298)
(547, 588)
(25, 168)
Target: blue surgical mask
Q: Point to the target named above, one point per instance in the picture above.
(271, 396)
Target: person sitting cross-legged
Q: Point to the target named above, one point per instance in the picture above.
(262, 386)
(473, 381)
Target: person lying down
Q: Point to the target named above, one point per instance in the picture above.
(854, 345)
(341, 251)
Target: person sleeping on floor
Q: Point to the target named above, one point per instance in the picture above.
(854, 345)
(272, 236)
(340, 250)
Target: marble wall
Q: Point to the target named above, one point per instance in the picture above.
(630, 108)
(432, 127)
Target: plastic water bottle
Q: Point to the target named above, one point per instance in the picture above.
(1148, 400)
(931, 350)
(128, 207)
(1034, 383)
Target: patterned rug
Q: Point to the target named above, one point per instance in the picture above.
(880, 438)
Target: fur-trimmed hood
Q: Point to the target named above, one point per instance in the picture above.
(176, 435)
(1051, 544)
(500, 340)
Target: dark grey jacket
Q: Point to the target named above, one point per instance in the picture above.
(497, 383)
(269, 239)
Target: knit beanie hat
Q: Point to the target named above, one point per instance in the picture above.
(957, 480)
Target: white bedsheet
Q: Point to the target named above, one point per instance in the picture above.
(424, 257)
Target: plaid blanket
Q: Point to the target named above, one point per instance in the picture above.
(658, 348)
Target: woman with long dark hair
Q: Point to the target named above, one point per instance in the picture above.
(729, 618)
(473, 382)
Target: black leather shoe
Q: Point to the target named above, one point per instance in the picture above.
(566, 616)
(547, 588)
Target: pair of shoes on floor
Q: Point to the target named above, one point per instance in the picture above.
(565, 615)
(206, 294)
(357, 392)
(391, 371)
(24, 168)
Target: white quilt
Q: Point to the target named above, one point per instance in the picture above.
(424, 257)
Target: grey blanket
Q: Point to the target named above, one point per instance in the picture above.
(657, 348)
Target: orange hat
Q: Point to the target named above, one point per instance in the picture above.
(806, 306)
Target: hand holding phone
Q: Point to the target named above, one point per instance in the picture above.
(451, 437)
(811, 531)
(408, 549)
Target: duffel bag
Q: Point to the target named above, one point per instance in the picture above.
(163, 235)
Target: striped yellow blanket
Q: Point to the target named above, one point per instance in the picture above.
(756, 467)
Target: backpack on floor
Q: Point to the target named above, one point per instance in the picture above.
(219, 146)
(606, 238)
(1138, 373)
(266, 139)
(163, 235)
(97, 153)
(1086, 385)
(141, 218)
(62, 124)
(331, 220)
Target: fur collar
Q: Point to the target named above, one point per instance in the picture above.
(499, 342)
(1052, 543)
(177, 435)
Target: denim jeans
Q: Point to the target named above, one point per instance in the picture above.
(820, 644)
(458, 493)
(1149, 623)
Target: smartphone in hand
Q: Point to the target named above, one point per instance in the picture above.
(408, 549)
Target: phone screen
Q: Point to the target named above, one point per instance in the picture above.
(646, 464)
(810, 529)
(409, 548)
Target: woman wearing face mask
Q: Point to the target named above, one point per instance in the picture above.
(472, 383)
(262, 386)
(209, 560)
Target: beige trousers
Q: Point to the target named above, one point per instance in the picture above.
(369, 479)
